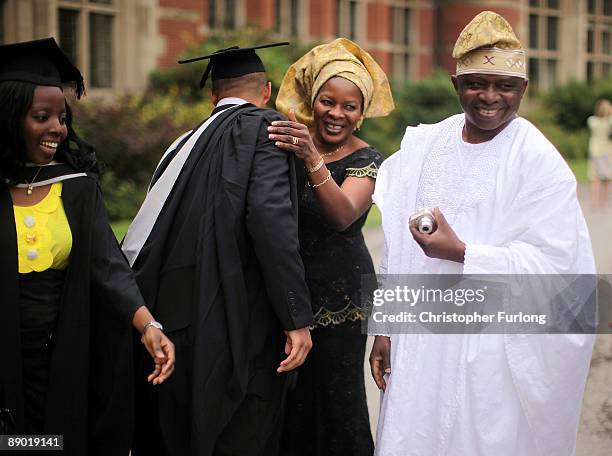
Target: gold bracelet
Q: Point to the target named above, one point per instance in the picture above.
(321, 183)
(316, 167)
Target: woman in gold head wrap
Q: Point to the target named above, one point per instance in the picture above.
(326, 94)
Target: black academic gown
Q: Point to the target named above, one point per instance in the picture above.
(222, 271)
(90, 393)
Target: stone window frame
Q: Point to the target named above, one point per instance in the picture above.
(351, 19)
(402, 46)
(291, 17)
(598, 25)
(543, 62)
(2, 19)
(85, 8)
(220, 21)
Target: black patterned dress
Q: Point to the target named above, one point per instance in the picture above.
(327, 412)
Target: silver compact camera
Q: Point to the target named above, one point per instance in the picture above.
(424, 221)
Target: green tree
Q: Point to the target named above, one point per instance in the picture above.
(425, 101)
(186, 77)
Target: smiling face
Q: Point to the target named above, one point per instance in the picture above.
(44, 126)
(489, 101)
(337, 109)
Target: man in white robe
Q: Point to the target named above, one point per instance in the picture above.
(506, 204)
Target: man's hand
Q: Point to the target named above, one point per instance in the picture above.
(297, 347)
(380, 360)
(161, 350)
(442, 243)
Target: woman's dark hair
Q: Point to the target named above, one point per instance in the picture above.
(15, 101)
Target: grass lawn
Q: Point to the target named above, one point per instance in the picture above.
(373, 219)
(120, 228)
(579, 167)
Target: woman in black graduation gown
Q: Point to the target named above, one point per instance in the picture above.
(330, 90)
(68, 295)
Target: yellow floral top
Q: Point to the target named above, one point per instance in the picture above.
(44, 239)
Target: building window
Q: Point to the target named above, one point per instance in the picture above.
(295, 14)
(85, 29)
(288, 17)
(607, 7)
(212, 14)
(223, 14)
(338, 17)
(2, 38)
(229, 16)
(400, 28)
(599, 41)
(551, 32)
(401, 67)
(544, 44)
(352, 20)
(533, 31)
(347, 18)
(101, 50)
(277, 16)
(69, 33)
(551, 4)
(551, 73)
(605, 42)
(534, 72)
(407, 27)
(591, 6)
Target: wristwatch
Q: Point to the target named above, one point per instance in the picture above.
(155, 324)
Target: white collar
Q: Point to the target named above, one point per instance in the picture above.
(230, 100)
(34, 165)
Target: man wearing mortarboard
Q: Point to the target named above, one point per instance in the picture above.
(505, 203)
(216, 254)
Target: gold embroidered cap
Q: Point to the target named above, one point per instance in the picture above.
(488, 45)
(343, 58)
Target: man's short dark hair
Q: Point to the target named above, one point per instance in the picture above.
(249, 82)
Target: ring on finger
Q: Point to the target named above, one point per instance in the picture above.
(295, 141)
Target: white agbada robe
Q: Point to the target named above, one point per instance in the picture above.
(512, 200)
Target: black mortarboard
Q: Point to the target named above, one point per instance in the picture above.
(232, 62)
(39, 62)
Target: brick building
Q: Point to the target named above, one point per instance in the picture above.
(117, 42)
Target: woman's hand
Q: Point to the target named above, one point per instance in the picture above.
(157, 344)
(293, 136)
(161, 350)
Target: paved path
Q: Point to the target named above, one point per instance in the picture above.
(595, 432)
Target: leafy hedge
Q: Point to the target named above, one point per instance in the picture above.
(425, 101)
(561, 114)
(129, 136)
(573, 103)
(571, 143)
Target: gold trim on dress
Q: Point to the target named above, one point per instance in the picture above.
(325, 317)
(367, 171)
